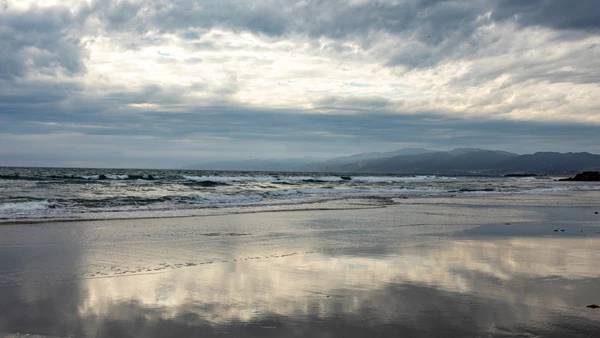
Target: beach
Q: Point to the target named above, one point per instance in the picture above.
(299, 169)
(470, 266)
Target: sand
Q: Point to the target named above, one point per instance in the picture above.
(493, 266)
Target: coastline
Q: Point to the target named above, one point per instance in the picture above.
(423, 266)
(61, 195)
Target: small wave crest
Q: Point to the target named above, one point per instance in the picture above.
(206, 183)
(476, 190)
(24, 207)
(228, 179)
(319, 179)
(399, 179)
(78, 177)
(18, 177)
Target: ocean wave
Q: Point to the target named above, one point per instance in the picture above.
(206, 183)
(24, 207)
(117, 177)
(18, 177)
(289, 192)
(400, 179)
(278, 179)
(79, 177)
(356, 191)
(475, 190)
(228, 179)
(320, 179)
(531, 191)
(265, 179)
(96, 192)
(231, 199)
(523, 178)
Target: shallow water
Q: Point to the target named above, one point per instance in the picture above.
(455, 268)
(537, 287)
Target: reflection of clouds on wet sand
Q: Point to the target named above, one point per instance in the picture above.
(61, 251)
(441, 288)
(503, 259)
(527, 280)
(414, 269)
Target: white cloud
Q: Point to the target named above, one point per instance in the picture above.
(127, 58)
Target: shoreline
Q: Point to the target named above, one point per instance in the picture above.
(538, 215)
(340, 204)
(465, 266)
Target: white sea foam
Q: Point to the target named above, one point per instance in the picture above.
(394, 179)
(108, 176)
(354, 192)
(309, 178)
(117, 177)
(524, 179)
(586, 187)
(283, 193)
(133, 194)
(534, 191)
(296, 179)
(546, 190)
(23, 207)
(227, 199)
(227, 179)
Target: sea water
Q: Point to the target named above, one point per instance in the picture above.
(48, 194)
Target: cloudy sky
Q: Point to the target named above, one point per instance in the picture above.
(166, 83)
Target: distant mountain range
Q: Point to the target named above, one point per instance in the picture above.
(461, 161)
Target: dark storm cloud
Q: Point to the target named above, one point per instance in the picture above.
(179, 15)
(335, 19)
(557, 14)
(244, 126)
(41, 41)
(352, 103)
(430, 20)
(30, 93)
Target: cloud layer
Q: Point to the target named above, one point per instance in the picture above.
(181, 79)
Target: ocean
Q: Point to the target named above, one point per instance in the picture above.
(51, 194)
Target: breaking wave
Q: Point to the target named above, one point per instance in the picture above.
(52, 193)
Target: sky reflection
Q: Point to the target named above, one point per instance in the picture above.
(466, 287)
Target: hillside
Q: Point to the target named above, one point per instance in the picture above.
(462, 161)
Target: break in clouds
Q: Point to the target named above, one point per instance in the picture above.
(164, 83)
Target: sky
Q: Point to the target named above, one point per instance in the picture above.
(169, 83)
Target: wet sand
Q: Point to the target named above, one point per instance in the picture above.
(439, 267)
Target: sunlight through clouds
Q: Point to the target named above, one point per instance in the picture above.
(116, 60)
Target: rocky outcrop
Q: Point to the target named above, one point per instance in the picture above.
(585, 176)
